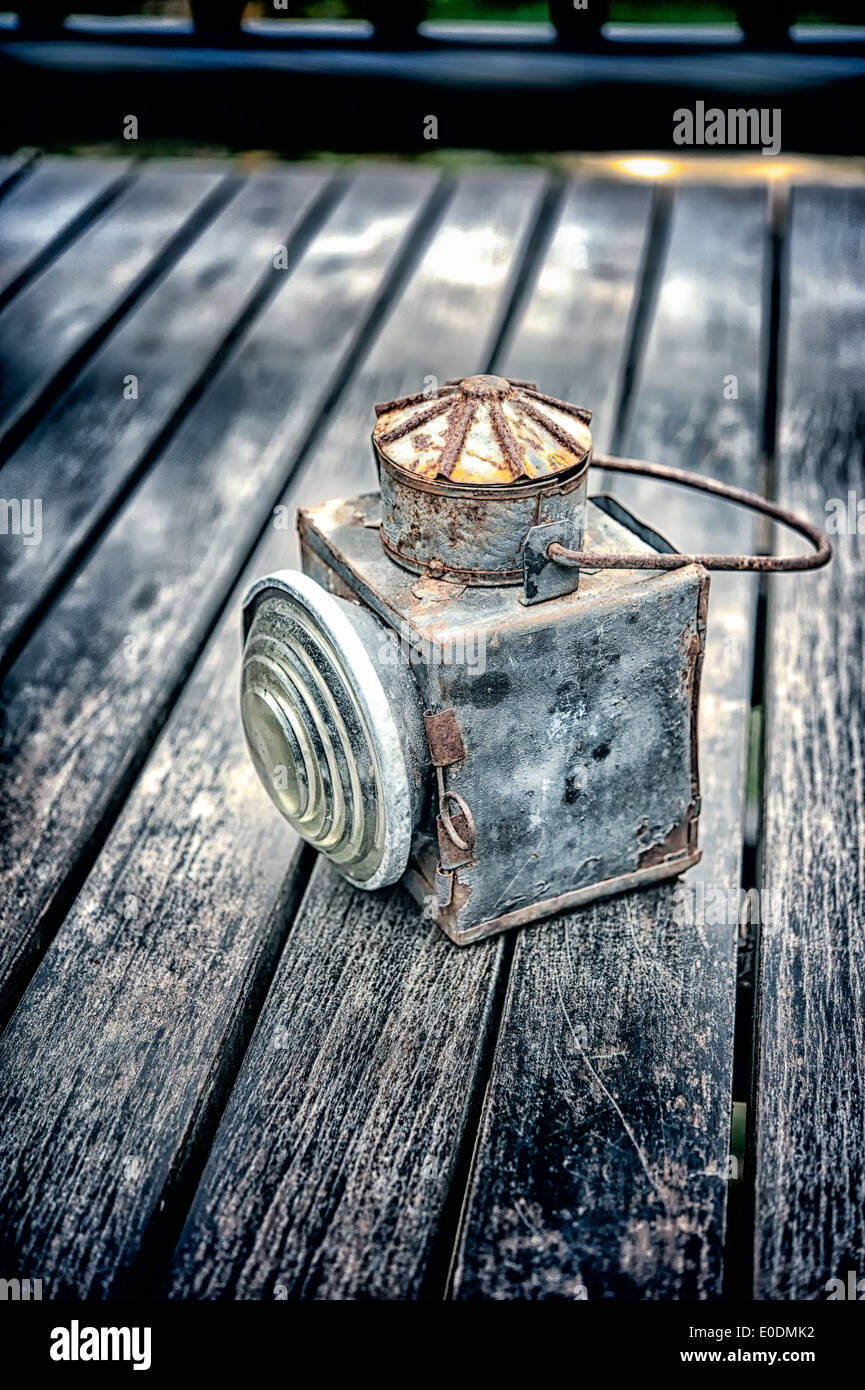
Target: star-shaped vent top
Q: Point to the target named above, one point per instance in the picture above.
(484, 430)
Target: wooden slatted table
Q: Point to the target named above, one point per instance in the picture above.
(224, 1072)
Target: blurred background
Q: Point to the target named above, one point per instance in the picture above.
(364, 75)
(640, 11)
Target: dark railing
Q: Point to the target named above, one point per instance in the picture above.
(762, 22)
(587, 85)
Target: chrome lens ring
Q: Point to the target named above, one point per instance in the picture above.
(333, 725)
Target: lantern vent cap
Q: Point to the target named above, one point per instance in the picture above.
(484, 430)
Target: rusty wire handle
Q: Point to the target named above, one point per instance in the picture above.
(586, 559)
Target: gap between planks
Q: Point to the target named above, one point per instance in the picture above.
(37, 398)
(75, 873)
(558, 1248)
(83, 540)
(402, 250)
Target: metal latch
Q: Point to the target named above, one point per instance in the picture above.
(446, 748)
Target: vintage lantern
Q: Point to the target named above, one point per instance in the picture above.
(483, 683)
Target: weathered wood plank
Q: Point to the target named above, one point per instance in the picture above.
(601, 1163)
(331, 1168)
(357, 966)
(81, 457)
(571, 336)
(59, 197)
(143, 1004)
(56, 316)
(14, 167)
(361, 1077)
(164, 854)
(809, 1091)
(86, 694)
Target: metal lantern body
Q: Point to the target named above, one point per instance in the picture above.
(431, 701)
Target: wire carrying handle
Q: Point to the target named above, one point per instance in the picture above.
(587, 559)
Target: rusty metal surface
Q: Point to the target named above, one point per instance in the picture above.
(446, 748)
(543, 579)
(767, 564)
(420, 889)
(450, 853)
(483, 430)
(464, 839)
(474, 535)
(444, 738)
(467, 473)
(577, 716)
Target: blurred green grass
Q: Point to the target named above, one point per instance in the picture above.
(623, 11)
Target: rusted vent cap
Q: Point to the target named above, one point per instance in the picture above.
(485, 430)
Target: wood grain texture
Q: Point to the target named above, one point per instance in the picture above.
(809, 1085)
(57, 314)
(337, 1168)
(81, 456)
(89, 691)
(115, 1063)
(571, 334)
(443, 325)
(47, 208)
(331, 1170)
(601, 1164)
(154, 857)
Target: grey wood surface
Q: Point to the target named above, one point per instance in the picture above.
(340, 1186)
(47, 208)
(64, 309)
(13, 167)
(809, 1088)
(572, 335)
(601, 1163)
(141, 1008)
(97, 437)
(484, 219)
(330, 1172)
(86, 697)
(228, 1074)
(381, 1158)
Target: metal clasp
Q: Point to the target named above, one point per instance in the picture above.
(446, 748)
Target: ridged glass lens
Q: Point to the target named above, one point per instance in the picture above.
(321, 730)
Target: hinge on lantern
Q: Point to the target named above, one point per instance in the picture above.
(456, 834)
(444, 887)
(444, 738)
